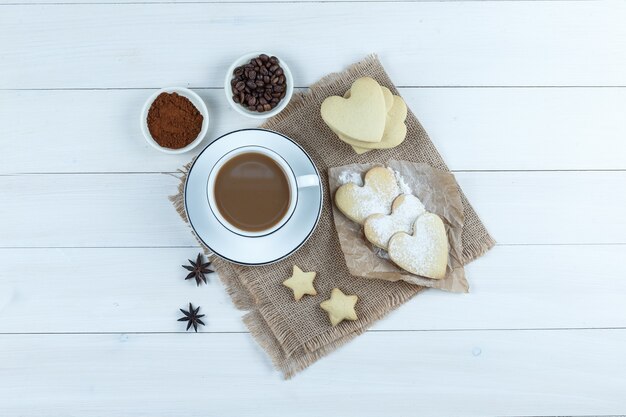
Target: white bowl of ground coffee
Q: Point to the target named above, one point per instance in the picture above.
(174, 120)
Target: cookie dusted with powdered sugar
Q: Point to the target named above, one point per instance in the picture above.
(376, 195)
(425, 252)
(379, 228)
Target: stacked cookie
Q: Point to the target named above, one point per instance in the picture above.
(414, 238)
(367, 117)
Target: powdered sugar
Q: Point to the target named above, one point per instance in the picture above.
(371, 201)
(407, 208)
(425, 252)
(359, 202)
(404, 187)
(351, 176)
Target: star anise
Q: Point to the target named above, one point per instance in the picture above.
(192, 317)
(198, 269)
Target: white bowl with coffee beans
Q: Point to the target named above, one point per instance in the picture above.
(258, 85)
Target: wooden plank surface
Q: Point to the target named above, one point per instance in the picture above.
(523, 99)
(85, 2)
(473, 128)
(113, 210)
(380, 373)
(140, 290)
(421, 43)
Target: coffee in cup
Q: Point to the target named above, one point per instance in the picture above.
(253, 191)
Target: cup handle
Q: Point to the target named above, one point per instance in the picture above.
(305, 181)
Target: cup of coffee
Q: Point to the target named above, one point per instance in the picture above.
(253, 191)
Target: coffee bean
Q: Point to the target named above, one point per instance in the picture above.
(260, 84)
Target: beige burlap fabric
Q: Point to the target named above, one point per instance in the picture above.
(296, 334)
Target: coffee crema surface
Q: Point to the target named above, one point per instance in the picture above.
(252, 192)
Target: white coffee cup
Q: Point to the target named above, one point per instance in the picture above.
(295, 183)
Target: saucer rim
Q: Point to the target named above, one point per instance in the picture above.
(306, 238)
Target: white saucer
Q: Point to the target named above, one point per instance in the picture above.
(246, 250)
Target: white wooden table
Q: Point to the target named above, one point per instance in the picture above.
(525, 100)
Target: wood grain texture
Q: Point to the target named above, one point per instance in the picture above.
(92, 330)
(417, 373)
(421, 43)
(112, 210)
(81, 2)
(141, 289)
(474, 129)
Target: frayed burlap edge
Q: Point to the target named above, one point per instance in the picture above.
(289, 354)
(475, 250)
(241, 297)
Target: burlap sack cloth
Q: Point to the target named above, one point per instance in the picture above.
(296, 334)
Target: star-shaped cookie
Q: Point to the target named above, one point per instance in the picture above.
(301, 283)
(340, 307)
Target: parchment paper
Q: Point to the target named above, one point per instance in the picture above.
(439, 193)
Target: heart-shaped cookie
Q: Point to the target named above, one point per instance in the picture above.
(379, 228)
(425, 252)
(376, 195)
(387, 94)
(393, 135)
(362, 116)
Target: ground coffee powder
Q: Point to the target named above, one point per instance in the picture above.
(173, 121)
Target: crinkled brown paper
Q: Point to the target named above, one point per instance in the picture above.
(439, 193)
